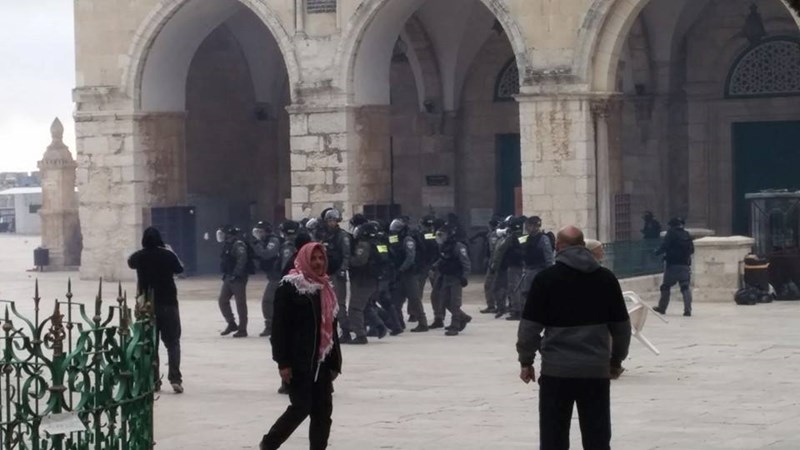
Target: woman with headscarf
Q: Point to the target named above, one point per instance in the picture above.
(305, 345)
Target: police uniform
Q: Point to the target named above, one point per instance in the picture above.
(234, 283)
(515, 265)
(491, 274)
(403, 248)
(453, 266)
(428, 254)
(268, 252)
(385, 284)
(499, 266)
(337, 245)
(538, 255)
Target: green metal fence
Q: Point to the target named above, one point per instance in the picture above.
(633, 258)
(71, 381)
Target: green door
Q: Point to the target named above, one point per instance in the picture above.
(508, 173)
(766, 155)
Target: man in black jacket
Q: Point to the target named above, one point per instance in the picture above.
(677, 249)
(580, 308)
(156, 267)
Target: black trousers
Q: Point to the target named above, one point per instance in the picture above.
(308, 399)
(168, 330)
(556, 398)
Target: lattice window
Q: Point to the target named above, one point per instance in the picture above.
(507, 85)
(320, 6)
(771, 68)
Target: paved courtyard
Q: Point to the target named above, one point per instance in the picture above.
(726, 379)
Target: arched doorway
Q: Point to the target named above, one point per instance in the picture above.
(678, 143)
(422, 82)
(213, 128)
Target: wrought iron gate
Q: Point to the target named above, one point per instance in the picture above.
(72, 381)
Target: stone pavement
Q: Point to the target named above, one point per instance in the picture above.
(726, 379)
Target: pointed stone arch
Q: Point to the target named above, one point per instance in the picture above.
(175, 18)
(371, 31)
(602, 36)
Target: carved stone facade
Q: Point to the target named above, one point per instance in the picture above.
(265, 109)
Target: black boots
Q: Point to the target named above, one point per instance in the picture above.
(359, 340)
(514, 317)
(489, 310)
(230, 329)
(422, 326)
(240, 334)
(345, 338)
(437, 323)
(267, 330)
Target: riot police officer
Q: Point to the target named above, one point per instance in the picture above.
(235, 273)
(537, 254)
(405, 254)
(453, 266)
(315, 229)
(386, 281)
(514, 262)
(267, 247)
(337, 244)
(491, 239)
(498, 267)
(290, 232)
(365, 271)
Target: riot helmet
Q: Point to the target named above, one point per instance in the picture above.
(398, 226)
(332, 215)
(226, 232)
(357, 220)
(444, 234)
(289, 228)
(312, 225)
(262, 229)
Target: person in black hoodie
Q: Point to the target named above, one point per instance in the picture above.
(156, 266)
(677, 249)
(305, 344)
(579, 307)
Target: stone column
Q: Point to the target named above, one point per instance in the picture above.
(558, 160)
(320, 160)
(61, 231)
(112, 182)
(716, 266)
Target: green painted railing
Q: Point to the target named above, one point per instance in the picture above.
(72, 381)
(633, 258)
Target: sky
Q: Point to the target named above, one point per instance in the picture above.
(37, 75)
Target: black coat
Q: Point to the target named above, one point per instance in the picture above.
(295, 331)
(156, 268)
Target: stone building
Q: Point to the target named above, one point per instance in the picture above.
(580, 111)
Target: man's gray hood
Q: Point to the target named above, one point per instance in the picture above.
(579, 258)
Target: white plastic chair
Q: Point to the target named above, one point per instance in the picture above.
(638, 314)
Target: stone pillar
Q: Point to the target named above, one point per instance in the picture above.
(112, 184)
(716, 267)
(558, 160)
(61, 230)
(320, 160)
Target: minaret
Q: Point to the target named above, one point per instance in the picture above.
(61, 231)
